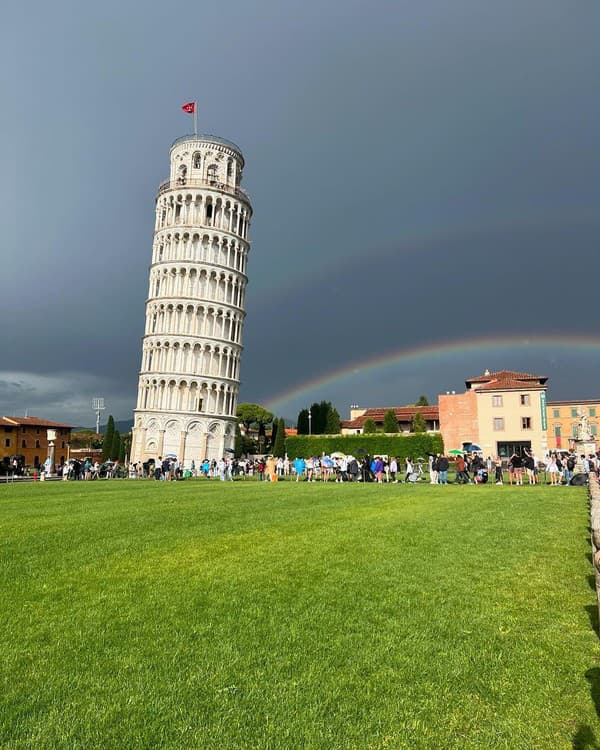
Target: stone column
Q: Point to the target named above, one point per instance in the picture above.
(181, 454)
(161, 442)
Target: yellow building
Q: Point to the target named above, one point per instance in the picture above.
(502, 412)
(563, 420)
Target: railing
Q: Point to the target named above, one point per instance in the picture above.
(210, 138)
(183, 182)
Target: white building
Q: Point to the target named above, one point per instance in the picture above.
(189, 378)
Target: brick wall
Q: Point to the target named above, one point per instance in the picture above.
(458, 419)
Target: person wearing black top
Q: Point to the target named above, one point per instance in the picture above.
(517, 463)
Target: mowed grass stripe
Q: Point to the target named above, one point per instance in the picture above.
(196, 614)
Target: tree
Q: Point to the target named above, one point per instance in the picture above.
(108, 438)
(238, 445)
(279, 444)
(418, 423)
(302, 423)
(390, 422)
(369, 426)
(255, 414)
(116, 446)
(125, 448)
(422, 401)
(332, 424)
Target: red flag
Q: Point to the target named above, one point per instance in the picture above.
(190, 108)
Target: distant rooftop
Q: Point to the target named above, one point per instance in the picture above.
(506, 380)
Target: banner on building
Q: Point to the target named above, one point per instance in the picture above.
(543, 410)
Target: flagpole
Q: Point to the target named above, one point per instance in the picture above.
(196, 119)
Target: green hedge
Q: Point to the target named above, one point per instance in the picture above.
(392, 445)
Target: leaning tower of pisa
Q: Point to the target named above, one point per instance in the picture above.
(192, 344)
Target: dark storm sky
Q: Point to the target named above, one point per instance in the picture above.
(420, 172)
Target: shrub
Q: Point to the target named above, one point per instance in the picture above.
(392, 445)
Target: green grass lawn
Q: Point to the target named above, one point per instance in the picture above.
(200, 614)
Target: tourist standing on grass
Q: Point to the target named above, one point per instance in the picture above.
(409, 468)
(393, 470)
(461, 474)
(529, 463)
(433, 469)
(443, 464)
(299, 467)
(553, 470)
(378, 470)
(511, 470)
(499, 477)
(353, 469)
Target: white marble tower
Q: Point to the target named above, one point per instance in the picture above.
(189, 378)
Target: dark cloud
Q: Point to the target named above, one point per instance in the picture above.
(418, 173)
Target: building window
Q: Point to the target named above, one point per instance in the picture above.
(573, 412)
(23, 443)
(496, 400)
(525, 423)
(37, 430)
(594, 429)
(8, 429)
(556, 413)
(525, 399)
(63, 444)
(574, 430)
(592, 411)
(7, 443)
(37, 443)
(498, 423)
(557, 430)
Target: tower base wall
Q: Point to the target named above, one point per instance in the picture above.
(190, 437)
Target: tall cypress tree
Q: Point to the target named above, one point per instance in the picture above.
(116, 445)
(108, 438)
(332, 423)
(279, 444)
(390, 423)
(418, 423)
(302, 423)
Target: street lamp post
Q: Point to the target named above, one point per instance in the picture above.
(310, 421)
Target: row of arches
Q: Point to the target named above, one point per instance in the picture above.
(205, 166)
(205, 284)
(187, 396)
(194, 320)
(194, 247)
(190, 358)
(197, 209)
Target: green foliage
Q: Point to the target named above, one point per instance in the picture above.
(116, 446)
(332, 424)
(418, 423)
(422, 401)
(390, 423)
(302, 423)
(279, 442)
(107, 442)
(254, 414)
(238, 445)
(124, 447)
(369, 426)
(391, 445)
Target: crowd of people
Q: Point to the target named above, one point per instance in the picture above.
(557, 468)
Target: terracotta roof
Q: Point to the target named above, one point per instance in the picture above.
(403, 414)
(506, 380)
(505, 375)
(32, 421)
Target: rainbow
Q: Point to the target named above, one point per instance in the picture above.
(419, 355)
